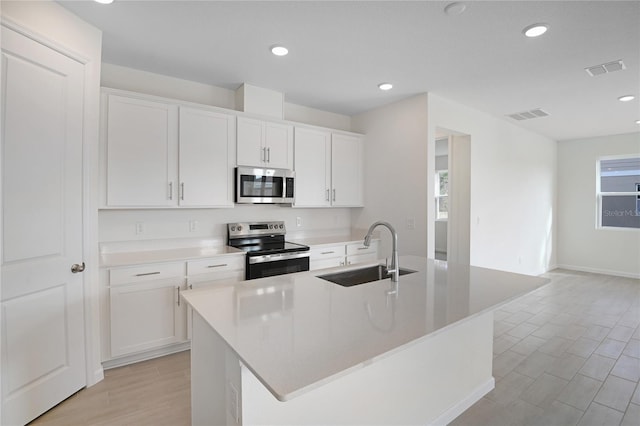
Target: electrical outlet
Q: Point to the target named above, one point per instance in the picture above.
(298, 221)
(139, 228)
(411, 223)
(193, 225)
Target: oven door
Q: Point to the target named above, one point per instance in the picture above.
(276, 264)
(256, 185)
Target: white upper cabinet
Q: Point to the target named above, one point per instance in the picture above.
(346, 170)
(313, 167)
(264, 144)
(328, 169)
(140, 153)
(161, 154)
(207, 141)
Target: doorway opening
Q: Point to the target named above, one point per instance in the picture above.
(452, 196)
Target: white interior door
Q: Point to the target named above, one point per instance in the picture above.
(43, 349)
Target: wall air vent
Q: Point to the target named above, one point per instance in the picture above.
(605, 68)
(527, 115)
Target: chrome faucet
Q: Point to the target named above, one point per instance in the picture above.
(395, 268)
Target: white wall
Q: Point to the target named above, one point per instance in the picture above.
(120, 225)
(395, 172)
(580, 245)
(54, 26)
(513, 178)
(119, 77)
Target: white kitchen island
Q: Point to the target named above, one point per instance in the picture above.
(296, 349)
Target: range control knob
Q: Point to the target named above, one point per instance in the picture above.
(239, 228)
(281, 226)
(270, 226)
(233, 228)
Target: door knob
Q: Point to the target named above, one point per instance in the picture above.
(75, 268)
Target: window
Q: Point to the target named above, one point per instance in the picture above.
(618, 192)
(442, 194)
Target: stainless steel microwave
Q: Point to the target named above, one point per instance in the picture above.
(257, 185)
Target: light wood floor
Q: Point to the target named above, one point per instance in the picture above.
(154, 392)
(568, 354)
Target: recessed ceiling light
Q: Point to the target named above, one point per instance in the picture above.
(637, 121)
(104, 1)
(385, 86)
(535, 30)
(455, 8)
(626, 98)
(279, 50)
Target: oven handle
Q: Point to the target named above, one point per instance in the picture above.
(277, 257)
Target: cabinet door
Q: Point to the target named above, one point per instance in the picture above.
(251, 150)
(146, 316)
(346, 171)
(312, 162)
(206, 158)
(278, 141)
(141, 152)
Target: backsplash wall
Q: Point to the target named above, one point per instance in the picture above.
(125, 225)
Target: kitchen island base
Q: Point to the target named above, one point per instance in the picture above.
(428, 381)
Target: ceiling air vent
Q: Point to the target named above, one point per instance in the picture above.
(605, 68)
(527, 115)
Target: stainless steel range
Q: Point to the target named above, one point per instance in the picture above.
(268, 253)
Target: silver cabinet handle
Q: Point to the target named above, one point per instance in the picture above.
(363, 248)
(147, 273)
(327, 195)
(327, 252)
(178, 295)
(217, 266)
(263, 155)
(76, 267)
(334, 194)
(171, 190)
(182, 191)
(268, 155)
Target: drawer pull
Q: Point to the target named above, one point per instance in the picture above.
(363, 248)
(217, 266)
(327, 252)
(147, 273)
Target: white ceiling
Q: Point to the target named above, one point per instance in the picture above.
(340, 51)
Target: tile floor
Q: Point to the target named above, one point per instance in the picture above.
(568, 354)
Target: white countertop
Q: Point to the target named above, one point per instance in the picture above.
(130, 258)
(296, 332)
(129, 253)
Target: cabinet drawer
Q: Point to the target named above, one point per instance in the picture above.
(215, 264)
(151, 272)
(362, 258)
(359, 248)
(326, 252)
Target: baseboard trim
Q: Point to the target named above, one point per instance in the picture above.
(598, 271)
(462, 406)
(144, 356)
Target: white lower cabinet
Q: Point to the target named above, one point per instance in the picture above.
(205, 272)
(211, 271)
(358, 253)
(326, 256)
(145, 308)
(331, 256)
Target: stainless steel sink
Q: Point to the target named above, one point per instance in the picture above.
(361, 276)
